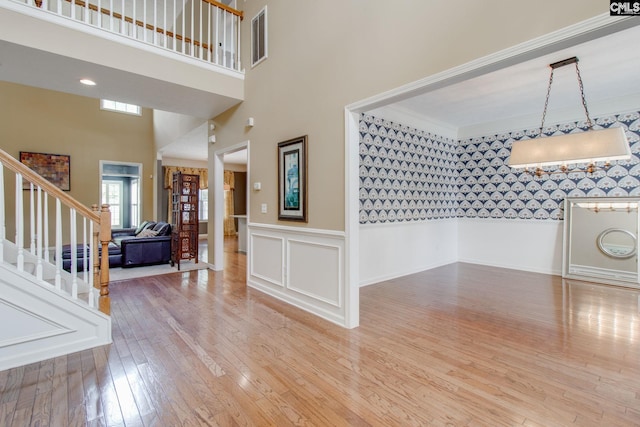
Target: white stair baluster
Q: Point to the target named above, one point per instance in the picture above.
(209, 29)
(91, 289)
(39, 234)
(224, 39)
(58, 280)
(237, 43)
(217, 35)
(199, 53)
(100, 13)
(85, 250)
(175, 27)
(155, 23)
(144, 22)
(134, 26)
(183, 27)
(32, 219)
(123, 22)
(20, 222)
(74, 253)
(47, 255)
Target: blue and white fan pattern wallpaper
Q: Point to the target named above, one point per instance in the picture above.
(413, 175)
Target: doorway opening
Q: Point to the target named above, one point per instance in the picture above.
(120, 188)
(231, 209)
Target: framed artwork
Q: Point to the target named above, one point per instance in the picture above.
(55, 168)
(292, 179)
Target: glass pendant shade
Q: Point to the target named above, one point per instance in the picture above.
(602, 145)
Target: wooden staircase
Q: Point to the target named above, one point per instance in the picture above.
(47, 311)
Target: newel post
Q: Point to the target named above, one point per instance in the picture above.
(105, 238)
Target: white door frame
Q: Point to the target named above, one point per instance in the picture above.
(216, 209)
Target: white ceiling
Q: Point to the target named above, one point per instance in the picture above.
(33, 67)
(510, 98)
(514, 97)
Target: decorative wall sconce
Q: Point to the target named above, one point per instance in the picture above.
(590, 147)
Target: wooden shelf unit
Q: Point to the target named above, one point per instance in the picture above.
(184, 218)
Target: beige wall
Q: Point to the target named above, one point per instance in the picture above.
(53, 122)
(326, 55)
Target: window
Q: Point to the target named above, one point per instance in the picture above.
(203, 197)
(112, 194)
(120, 107)
(259, 37)
(121, 188)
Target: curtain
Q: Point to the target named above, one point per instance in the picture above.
(203, 182)
(229, 221)
(203, 173)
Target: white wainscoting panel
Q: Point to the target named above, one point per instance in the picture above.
(401, 248)
(301, 266)
(312, 267)
(269, 266)
(529, 245)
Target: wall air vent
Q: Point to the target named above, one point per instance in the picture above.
(259, 37)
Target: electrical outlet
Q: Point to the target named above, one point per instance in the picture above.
(263, 208)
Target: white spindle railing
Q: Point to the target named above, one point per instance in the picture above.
(93, 226)
(202, 29)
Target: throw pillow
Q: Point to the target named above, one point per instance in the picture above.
(147, 233)
(141, 227)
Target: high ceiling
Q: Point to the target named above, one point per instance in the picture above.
(502, 100)
(515, 96)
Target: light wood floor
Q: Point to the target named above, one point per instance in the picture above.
(457, 345)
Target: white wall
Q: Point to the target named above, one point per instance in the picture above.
(529, 245)
(393, 250)
(397, 249)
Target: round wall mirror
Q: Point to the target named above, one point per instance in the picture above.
(617, 243)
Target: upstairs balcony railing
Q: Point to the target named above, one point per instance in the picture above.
(202, 29)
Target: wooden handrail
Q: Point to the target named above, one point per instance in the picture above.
(229, 9)
(13, 164)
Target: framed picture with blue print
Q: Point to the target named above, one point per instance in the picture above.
(292, 179)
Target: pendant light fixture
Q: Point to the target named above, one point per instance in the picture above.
(589, 147)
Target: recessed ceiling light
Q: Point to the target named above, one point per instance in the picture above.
(88, 82)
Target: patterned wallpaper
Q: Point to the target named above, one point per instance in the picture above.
(409, 175)
(405, 174)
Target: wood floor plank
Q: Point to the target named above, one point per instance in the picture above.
(12, 384)
(59, 393)
(26, 398)
(41, 415)
(459, 345)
